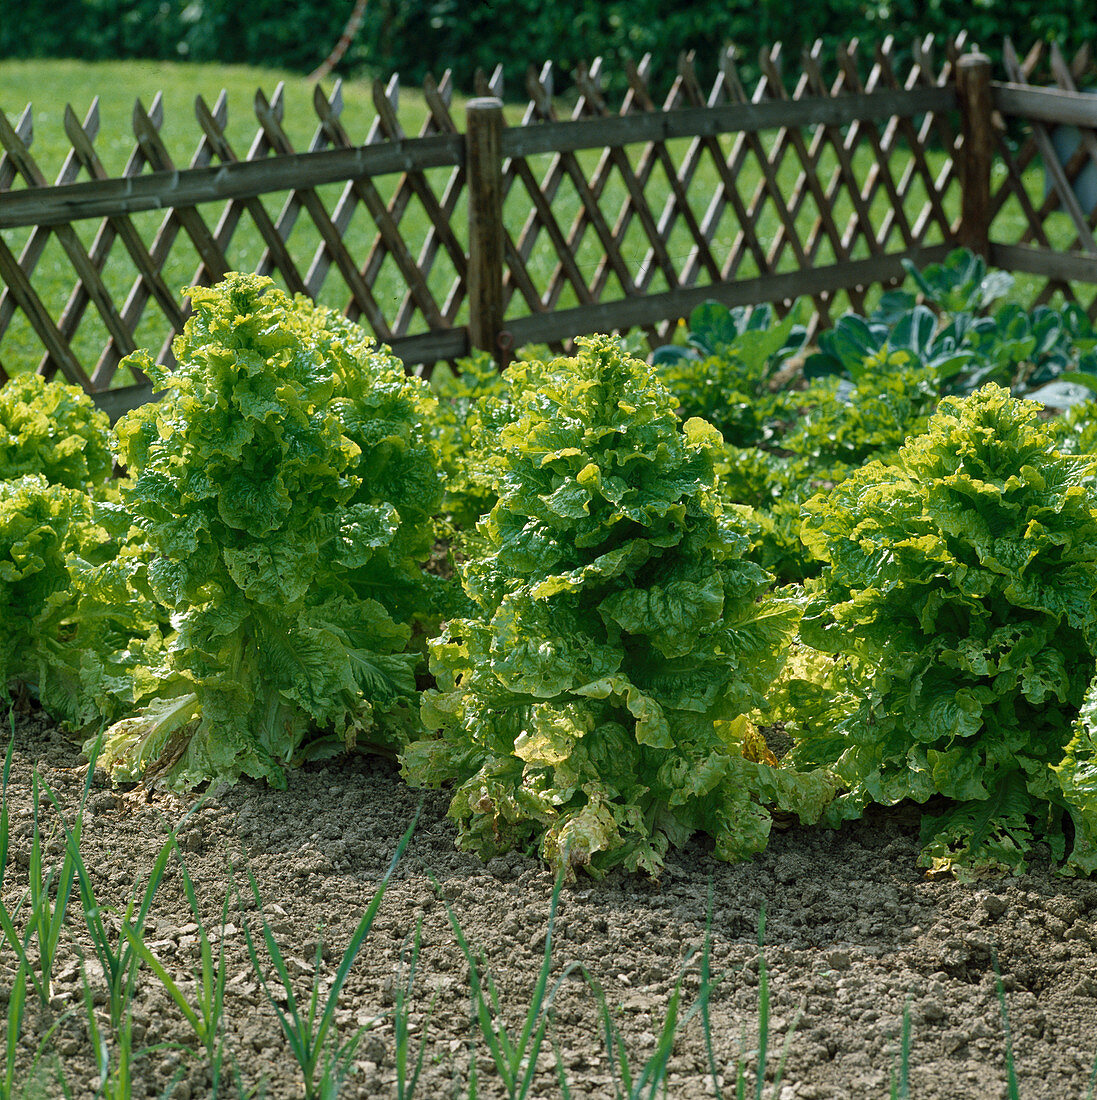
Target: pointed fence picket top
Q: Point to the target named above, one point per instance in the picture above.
(815, 182)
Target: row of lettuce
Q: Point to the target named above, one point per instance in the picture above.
(893, 564)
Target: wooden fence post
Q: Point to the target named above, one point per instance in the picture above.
(484, 175)
(977, 152)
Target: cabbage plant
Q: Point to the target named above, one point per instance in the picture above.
(285, 484)
(596, 703)
(959, 589)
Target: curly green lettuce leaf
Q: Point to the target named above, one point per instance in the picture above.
(1076, 777)
(77, 617)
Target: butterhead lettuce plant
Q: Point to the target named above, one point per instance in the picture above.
(959, 586)
(285, 484)
(596, 702)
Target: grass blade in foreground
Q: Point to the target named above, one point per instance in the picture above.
(762, 1052)
(48, 916)
(308, 1035)
(900, 1085)
(47, 892)
(654, 1071)
(1013, 1090)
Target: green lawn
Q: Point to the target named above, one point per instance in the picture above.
(49, 85)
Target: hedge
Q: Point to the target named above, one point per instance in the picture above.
(414, 37)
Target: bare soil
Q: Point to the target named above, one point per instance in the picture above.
(853, 932)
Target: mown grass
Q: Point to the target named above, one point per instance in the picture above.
(325, 1062)
(50, 85)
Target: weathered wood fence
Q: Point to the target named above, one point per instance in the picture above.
(492, 235)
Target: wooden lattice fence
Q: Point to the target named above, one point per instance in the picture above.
(1049, 235)
(475, 233)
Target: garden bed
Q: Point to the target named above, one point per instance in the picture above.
(854, 931)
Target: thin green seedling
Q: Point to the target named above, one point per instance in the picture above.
(17, 1005)
(1092, 1090)
(1012, 1087)
(762, 1051)
(7, 918)
(652, 1075)
(47, 917)
(206, 1016)
(705, 993)
(405, 1083)
(256, 1092)
(17, 1000)
(308, 1032)
(119, 963)
(472, 1093)
(565, 1088)
(900, 1082)
(48, 891)
(5, 827)
(515, 1059)
(115, 1081)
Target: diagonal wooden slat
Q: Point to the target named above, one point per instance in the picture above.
(1059, 196)
(146, 128)
(57, 347)
(414, 185)
(366, 192)
(564, 165)
(213, 123)
(86, 270)
(438, 97)
(636, 204)
(216, 264)
(880, 171)
(1061, 184)
(24, 128)
(917, 167)
(808, 181)
(844, 176)
(1085, 155)
(82, 138)
(362, 296)
(769, 186)
(541, 217)
(677, 205)
(291, 207)
(707, 148)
